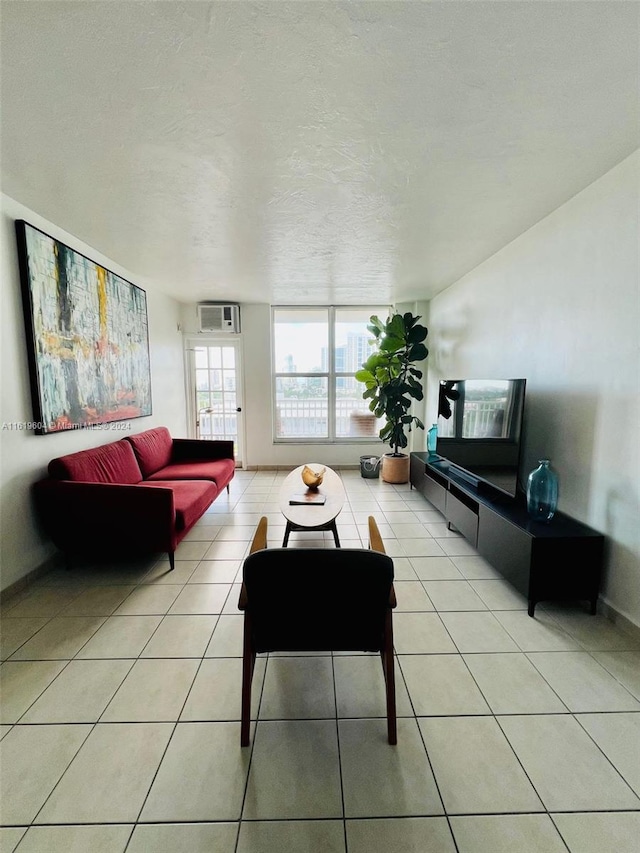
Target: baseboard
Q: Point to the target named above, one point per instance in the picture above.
(619, 620)
(55, 561)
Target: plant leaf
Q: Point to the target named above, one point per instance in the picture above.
(418, 334)
(418, 352)
(363, 375)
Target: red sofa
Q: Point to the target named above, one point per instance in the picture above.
(137, 495)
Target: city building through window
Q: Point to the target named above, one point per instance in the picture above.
(316, 351)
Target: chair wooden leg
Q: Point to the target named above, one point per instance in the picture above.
(390, 681)
(172, 560)
(248, 663)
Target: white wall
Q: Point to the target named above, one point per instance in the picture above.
(24, 455)
(559, 306)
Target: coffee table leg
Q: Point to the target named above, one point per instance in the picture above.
(335, 534)
(287, 531)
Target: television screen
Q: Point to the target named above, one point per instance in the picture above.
(480, 427)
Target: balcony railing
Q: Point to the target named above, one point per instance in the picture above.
(309, 418)
(479, 420)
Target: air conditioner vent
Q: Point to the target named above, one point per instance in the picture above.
(217, 317)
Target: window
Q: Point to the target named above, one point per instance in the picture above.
(316, 351)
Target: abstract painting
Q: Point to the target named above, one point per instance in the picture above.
(87, 337)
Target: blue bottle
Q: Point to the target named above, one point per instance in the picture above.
(432, 439)
(542, 492)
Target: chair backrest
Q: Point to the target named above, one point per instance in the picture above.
(317, 599)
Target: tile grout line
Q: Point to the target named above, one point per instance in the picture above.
(202, 657)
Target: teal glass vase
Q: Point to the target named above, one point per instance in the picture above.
(432, 439)
(542, 492)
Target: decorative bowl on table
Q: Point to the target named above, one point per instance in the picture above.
(312, 479)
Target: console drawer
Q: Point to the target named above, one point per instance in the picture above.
(463, 515)
(434, 493)
(507, 547)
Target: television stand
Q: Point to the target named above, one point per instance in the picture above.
(558, 560)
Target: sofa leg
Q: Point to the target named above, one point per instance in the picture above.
(172, 560)
(228, 492)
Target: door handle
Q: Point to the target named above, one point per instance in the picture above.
(238, 409)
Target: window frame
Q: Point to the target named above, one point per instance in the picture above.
(330, 374)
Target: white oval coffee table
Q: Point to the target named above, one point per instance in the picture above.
(312, 517)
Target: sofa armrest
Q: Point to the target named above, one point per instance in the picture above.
(79, 515)
(185, 449)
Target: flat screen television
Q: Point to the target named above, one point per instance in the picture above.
(482, 436)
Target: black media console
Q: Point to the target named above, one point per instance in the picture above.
(558, 560)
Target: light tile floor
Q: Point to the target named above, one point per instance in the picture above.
(121, 695)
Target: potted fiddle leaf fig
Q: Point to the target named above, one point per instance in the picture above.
(392, 384)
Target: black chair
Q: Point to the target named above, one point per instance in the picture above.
(317, 599)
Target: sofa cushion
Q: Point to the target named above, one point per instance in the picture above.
(190, 497)
(110, 463)
(220, 471)
(152, 448)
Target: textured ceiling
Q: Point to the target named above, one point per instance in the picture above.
(313, 152)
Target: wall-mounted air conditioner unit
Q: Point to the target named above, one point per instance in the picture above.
(216, 317)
